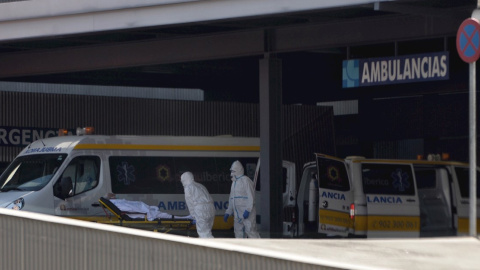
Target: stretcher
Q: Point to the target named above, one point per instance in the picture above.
(121, 218)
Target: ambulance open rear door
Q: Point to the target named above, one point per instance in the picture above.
(462, 200)
(335, 196)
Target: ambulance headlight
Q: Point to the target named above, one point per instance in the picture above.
(17, 204)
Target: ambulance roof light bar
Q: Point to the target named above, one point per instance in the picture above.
(435, 157)
(85, 131)
(62, 132)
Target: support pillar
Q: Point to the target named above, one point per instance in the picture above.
(271, 146)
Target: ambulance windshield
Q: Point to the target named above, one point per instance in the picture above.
(30, 173)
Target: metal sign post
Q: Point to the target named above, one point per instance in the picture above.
(473, 152)
(468, 47)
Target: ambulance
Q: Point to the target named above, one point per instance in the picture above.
(66, 175)
(359, 197)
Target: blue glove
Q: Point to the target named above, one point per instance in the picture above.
(246, 214)
(225, 218)
(194, 222)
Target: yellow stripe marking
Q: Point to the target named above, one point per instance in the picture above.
(464, 225)
(370, 223)
(406, 161)
(168, 147)
(393, 223)
(335, 218)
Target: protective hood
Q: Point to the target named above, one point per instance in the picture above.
(236, 169)
(186, 178)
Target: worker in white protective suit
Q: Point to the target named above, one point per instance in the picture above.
(200, 205)
(242, 203)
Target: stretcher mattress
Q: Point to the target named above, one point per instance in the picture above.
(161, 225)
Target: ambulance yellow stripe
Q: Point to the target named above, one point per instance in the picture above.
(464, 225)
(360, 223)
(387, 223)
(335, 218)
(168, 147)
(408, 161)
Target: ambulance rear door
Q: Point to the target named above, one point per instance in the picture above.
(461, 187)
(335, 196)
(393, 208)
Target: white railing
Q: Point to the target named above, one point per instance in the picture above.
(42, 242)
(36, 241)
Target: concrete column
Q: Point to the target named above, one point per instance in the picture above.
(271, 146)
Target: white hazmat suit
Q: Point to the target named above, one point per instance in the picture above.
(200, 205)
(242, 203)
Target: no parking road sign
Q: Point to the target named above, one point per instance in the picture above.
(468, 47)
(468, 40)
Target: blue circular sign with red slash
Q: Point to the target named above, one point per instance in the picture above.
(468, 40)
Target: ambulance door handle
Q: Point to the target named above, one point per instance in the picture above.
(410, 200)
(95, 204)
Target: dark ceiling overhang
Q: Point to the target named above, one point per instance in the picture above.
(290, 32)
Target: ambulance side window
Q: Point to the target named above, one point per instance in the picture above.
(389, 179)
(463, 176)
(84, 173)
(161, 175)
(426, 178)
(332, 174)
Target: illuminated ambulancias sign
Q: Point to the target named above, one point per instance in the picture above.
(395, 70)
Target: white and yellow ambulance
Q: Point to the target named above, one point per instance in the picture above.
(359, 197)
(67, 175)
